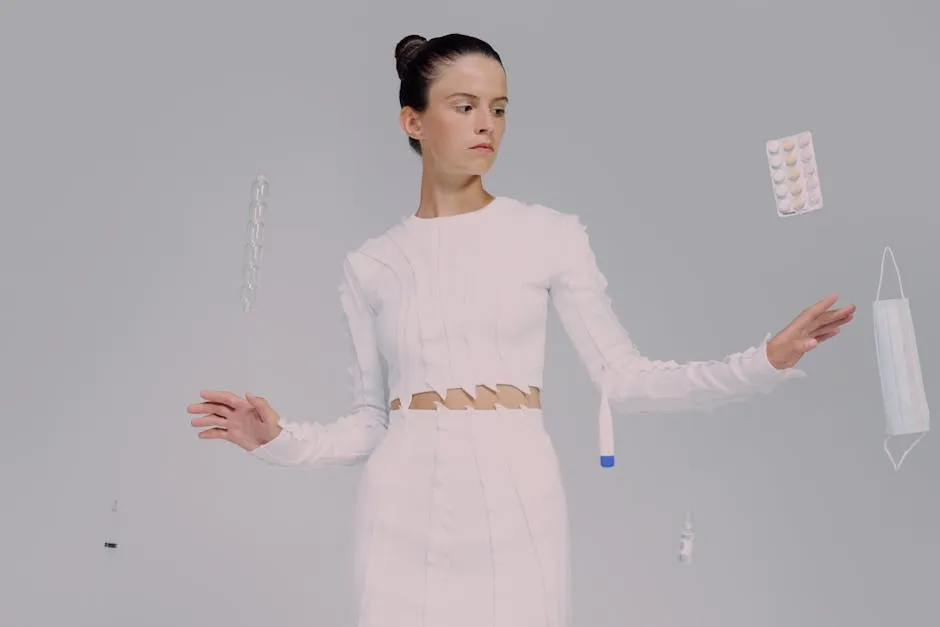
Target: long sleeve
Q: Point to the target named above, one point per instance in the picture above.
(630, 382)
(350, 439)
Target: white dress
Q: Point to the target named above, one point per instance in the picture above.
(462, 516)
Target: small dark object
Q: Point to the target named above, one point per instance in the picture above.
(110, 545)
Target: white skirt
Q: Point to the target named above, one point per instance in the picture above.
(462, 522)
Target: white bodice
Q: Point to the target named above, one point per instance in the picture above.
(458, 301)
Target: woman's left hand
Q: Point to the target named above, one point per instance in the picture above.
(815, 324)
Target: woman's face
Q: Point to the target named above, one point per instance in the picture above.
(461, 129)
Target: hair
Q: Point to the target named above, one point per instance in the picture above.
(420, 60)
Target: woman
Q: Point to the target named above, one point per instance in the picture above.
(462, 515)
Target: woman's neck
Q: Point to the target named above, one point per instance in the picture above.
(442, 197)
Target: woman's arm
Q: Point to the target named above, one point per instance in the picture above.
(350, 439)
(631, 382)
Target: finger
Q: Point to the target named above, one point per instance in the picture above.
(213, 434)
(210, 408)
(826, 302)
(816, 340)
(825, 336)
(209, 421)
(225, 398)
(827, 328)
(835, 315)
(260, 404)
(830, 324)
(811, 312)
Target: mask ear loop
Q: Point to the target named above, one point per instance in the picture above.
(897, 465)
(881, 275)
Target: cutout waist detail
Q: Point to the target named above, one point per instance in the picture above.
(484, 397)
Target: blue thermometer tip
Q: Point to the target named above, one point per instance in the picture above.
(607, 461)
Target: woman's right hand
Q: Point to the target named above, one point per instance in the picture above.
(248, 422)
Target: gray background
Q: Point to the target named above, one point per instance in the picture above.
(131, 133)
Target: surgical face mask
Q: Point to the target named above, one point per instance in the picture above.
(902, 386)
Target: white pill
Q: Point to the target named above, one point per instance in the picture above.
(783, 206)
(815, 199)
(807, 155)
(796, 189)
(805, 138)
(812, 183)
(776, 162)
(781, 191)
(810, 168)
(773, 147)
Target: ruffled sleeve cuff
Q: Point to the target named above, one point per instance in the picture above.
(284, 449)
(764, 371)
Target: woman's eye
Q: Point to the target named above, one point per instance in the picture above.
(466, 108)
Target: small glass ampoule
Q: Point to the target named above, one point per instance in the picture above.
(257, 208)
(686, 539)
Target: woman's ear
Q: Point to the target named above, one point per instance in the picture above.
(410, 123)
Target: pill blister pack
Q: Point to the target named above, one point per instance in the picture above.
(794, 173)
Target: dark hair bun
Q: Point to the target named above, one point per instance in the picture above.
(406, 50)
